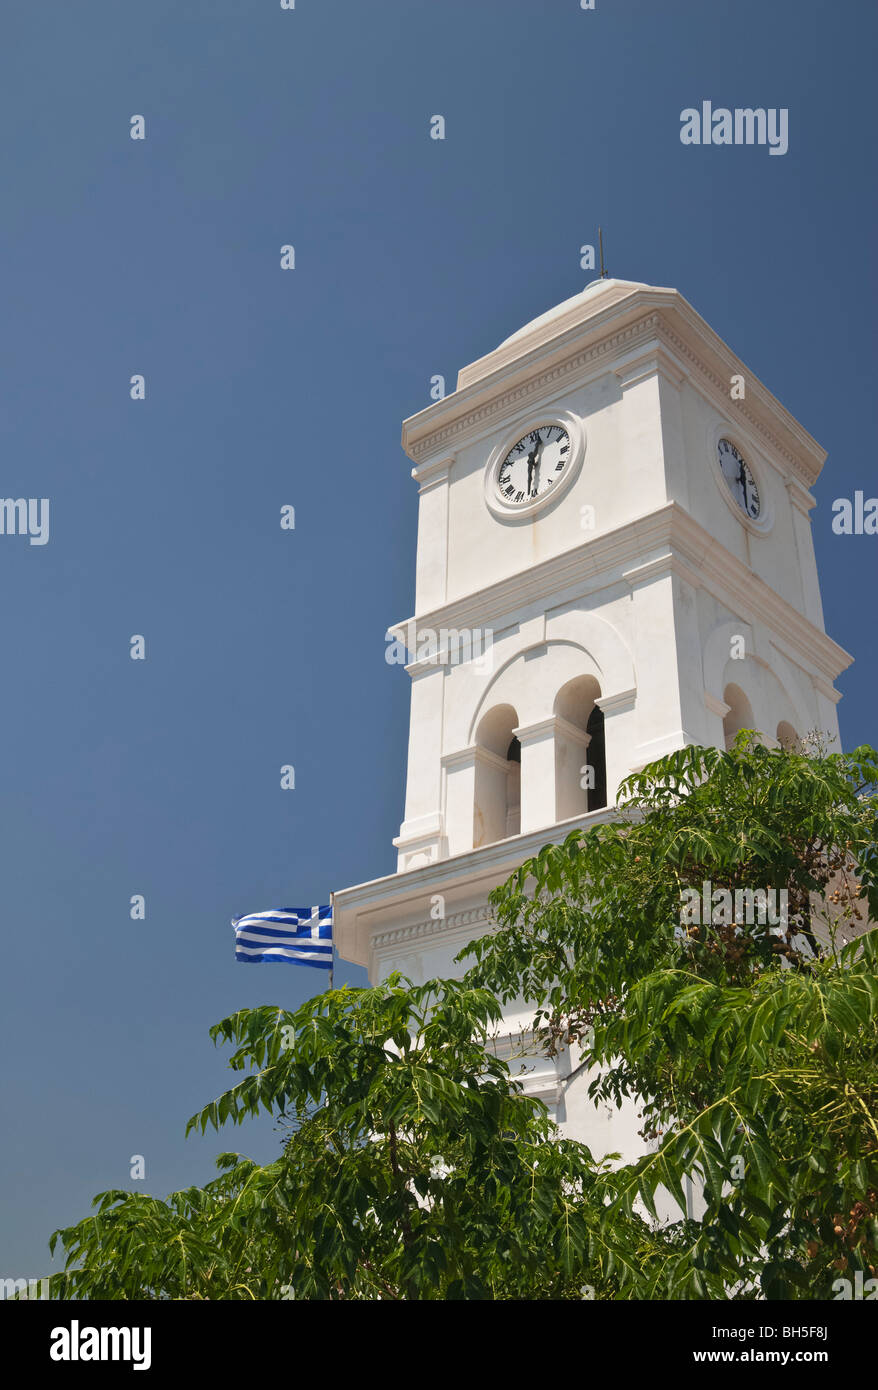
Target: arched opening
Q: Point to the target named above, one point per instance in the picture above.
(580, 753)
(787, 737)
(497, 810)
(597, 758)
(513, 788)
(740, 715)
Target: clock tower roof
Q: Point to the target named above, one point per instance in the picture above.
(598, 294)
(600, 300)
(599, 328)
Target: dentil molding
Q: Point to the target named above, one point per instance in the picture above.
(419, 931)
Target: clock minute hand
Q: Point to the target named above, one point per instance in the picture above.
(742, 479)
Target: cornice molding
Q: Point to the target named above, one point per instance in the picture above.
(687, 348)
(477, 642)
(604, 561)
(504, 403)
(418, 931)
(728, 578)
(655, 360)
(615, 300)
(362, 912)
(720, 392)
(658, 568)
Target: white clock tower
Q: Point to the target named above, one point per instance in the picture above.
(614, 560)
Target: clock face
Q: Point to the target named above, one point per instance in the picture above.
(534, 465)
(739, 479)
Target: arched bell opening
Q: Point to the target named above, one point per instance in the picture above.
(497, 809)
(787, 738)
(580, 749)
(740, 713)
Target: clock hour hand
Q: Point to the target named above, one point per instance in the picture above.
(533, 467)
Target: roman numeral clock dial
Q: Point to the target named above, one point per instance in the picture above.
(534, 464)
(739, 479)
(523, 476)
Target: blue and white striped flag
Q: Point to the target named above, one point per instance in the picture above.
(298, 935)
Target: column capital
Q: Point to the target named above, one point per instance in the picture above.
(433, 474)
(469, 757)
(617, 704)
(654, 360)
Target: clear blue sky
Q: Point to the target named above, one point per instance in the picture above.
(264, 388)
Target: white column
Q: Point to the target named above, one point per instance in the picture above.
(670, 689)
(476, 783)
(490, 799)
(652, 429)
(802, 502)
(460, 799)
(620, 737)
(431, 574)
(571, 755)
(421, 831)
(537, 774)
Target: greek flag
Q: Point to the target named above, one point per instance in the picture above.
(298, 935)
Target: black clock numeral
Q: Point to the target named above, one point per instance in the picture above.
(519, 496)
(559, 465)
(508, 491)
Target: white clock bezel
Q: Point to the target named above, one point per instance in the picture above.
(764, 522)
(575, 431)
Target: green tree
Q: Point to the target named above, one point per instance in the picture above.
(751, 1047)
(413, 1166)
